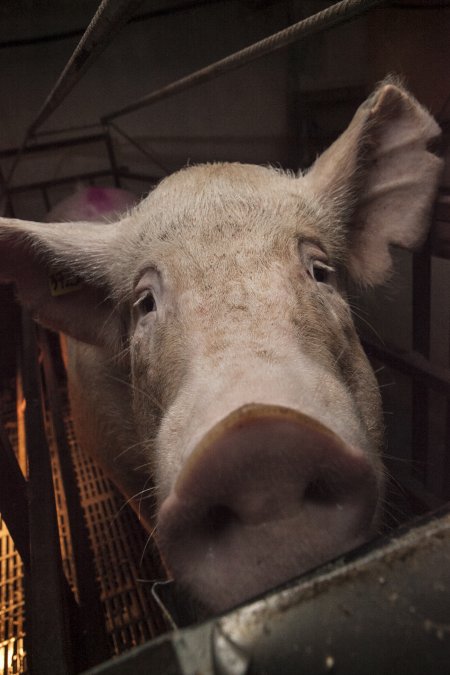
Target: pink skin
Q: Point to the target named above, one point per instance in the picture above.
(265, 480)
(213, 351)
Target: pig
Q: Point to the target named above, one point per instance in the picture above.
(214, 367)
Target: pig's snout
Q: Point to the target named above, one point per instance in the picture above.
(267, 494)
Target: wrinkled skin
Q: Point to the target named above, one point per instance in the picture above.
(216, 372)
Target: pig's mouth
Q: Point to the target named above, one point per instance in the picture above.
(266, 495)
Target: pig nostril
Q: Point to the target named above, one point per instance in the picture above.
(320, 492)
(221, 518)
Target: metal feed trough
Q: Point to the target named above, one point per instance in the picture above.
(75, 588)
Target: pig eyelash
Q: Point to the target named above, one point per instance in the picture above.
(146, 303)
(320, 272)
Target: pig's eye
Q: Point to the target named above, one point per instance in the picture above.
(321, 272)
(146, 303)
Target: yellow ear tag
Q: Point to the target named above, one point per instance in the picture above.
(62, 283)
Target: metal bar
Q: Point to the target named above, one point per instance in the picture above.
(6, 208)
(50, 643)
(446, 486)
(421, 344)
(106, 23)
(20, 416)
(421, 300)
(440, 231)
(60, 181)
(295, 105)
(337, 13)
(420, 501)
(13, 498)
(45, 197)
(152, 180)
(76, 127)
(135, 144)
(446, 483)
(91, 614)
(413, 364)
(112, 157)
(52, 145)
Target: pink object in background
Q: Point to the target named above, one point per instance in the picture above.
(93, 203)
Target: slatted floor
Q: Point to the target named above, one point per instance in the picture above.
(132, 616)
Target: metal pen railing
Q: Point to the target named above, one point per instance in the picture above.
(113, 14)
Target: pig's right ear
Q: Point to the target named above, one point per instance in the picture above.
(61, 275)
(380, 179)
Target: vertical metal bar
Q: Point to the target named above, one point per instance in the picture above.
(20, 416)
(446, 485)
(421, 344)
(6, 207)
(298, 150)
(50, 639)
(91, 614)
(44, 193)
(112, 157)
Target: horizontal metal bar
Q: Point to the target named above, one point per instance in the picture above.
(337, 13)
(60, 181)
(413, 364)
(376, 610)
(52, 145)
(132, 175)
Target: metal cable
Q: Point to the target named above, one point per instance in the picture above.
(338, 13)
(107, 21)
(109, 18)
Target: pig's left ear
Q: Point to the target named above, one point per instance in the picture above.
(381, 176)
(61, 272)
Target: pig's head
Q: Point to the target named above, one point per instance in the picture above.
(257, 408)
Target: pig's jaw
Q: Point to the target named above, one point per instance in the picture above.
(266, 495)
(224, 577)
